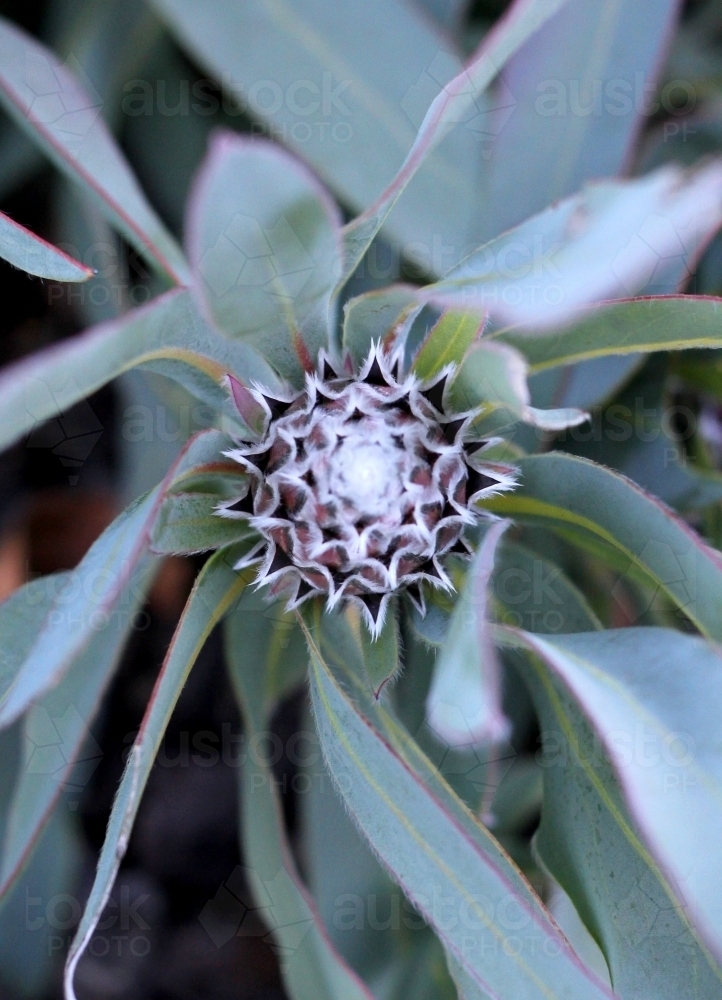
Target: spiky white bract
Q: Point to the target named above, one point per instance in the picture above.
(360, 485)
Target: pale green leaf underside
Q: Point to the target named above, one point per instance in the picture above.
(633, 793)
(588, 247)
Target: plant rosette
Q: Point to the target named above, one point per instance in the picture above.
(361, 484)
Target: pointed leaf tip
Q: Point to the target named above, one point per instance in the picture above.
(464, 701)
(29, 252)
(249, 409)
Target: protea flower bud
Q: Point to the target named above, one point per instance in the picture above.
(360, 485)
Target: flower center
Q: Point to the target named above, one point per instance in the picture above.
(365, 474)
(360, 487)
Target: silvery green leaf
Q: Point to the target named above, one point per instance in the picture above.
(611, 517)
(385, 780)
(463, 706)
(58, 750)
(610, 241)
(30, 253)
(577, 94)
(629, 725)
(383, 316)
(169, 336)
(265, 247)
(62, 112)
(345, 96)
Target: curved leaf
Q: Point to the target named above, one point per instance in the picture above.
(188, 523)
(382, 316)
(168, 336)
(587, 383)
(609, 241)
(54, 867)
(630, 727)
(454, 104)
(634, 436)
(493, 376)
(30, 253)
(265, 246)
(83, 603)
(431, 844)
(463, 706)
(67, 710)
(570, 90)
(534, 594)
(631, 326)
(215, 592)
(382, 653)
(344, 96)
(447, 343)
(606, 512)
(63, 115)
(527, 591)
